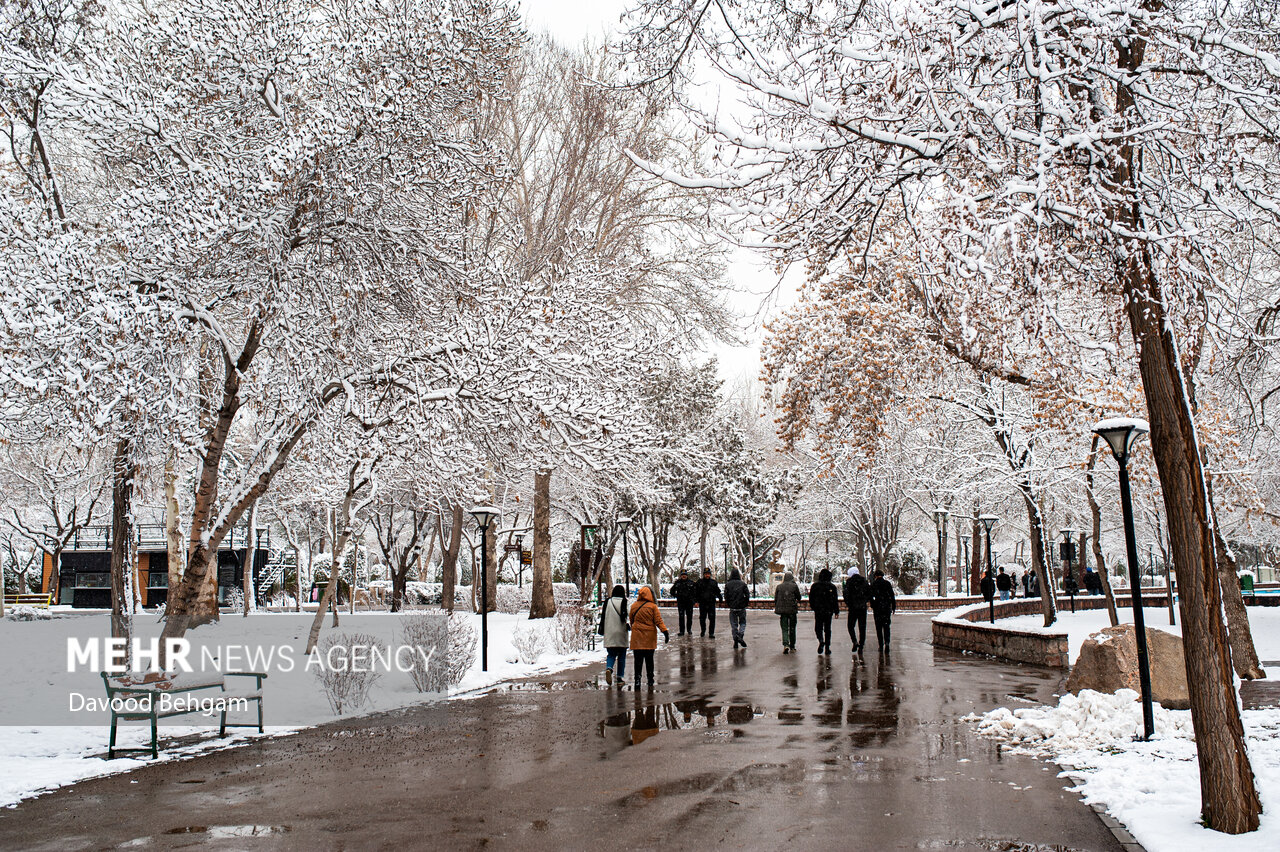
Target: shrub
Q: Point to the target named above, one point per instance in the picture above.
(346, 687)
(27, 613)
(572, 630)
(530, 640)
(428, 634)
(462, 647)
(908, 565)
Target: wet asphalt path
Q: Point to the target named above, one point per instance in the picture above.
(746, 750)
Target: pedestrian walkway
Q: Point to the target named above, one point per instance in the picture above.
(746, 750)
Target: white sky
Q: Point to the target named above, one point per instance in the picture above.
(572, 21)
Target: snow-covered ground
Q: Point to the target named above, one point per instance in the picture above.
(46, 745)
(1152, 787)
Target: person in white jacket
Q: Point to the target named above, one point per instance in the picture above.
(614, 628)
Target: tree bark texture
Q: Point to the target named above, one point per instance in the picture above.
(449, 558)
(1095, 516)
(1244, 656)
(172, 525)
(124, 475)
(543, 601)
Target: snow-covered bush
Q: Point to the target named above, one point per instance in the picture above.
(235, 599)
(27, 613)
(513, 598)
(428, 635)
(572, 630)
(462, 647)
(346, 686)
(907, 564)
(530, 640)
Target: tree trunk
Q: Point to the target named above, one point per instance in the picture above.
(449, 558)
(543, 602)
(250, 554)
(172, 524)
(490, 557)
(1229, 798)
(702, 550)
(978, 562)
(1035, 523)
(124, 473)
(1244, 656)
(1099, 561)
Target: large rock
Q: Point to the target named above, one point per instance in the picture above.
(1108, 662)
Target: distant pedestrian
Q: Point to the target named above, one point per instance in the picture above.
(1004, 584)
(1013, 584)
(824, 600)
(883, 606)
(646, 621)
(1035, 585)
(708, 593)
(685, 592)
(1026, 584)
(1092, 582)
(857, 594)
(786, 603)
(988, 586)
(614, 628)
(736, 596)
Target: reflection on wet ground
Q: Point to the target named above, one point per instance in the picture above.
(634, 719)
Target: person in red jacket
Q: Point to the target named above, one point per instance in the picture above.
(646, 622)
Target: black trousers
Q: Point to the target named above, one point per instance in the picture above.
(882, 618)
(686, 618)
(822, 628)
(858, 618)
(642, 659)
(706, 615)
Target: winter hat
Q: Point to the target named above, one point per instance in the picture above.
(852, 572)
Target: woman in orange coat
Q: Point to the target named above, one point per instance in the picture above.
(646, 621)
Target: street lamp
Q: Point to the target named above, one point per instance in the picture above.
(484, 516)
(964, 541)
(520, 560)
(940, 518)
(1069, 556)
(752, 561)
(1121, 433)
(989, 521)
(623, 524)
(725, 545)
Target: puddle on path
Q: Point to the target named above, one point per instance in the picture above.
(633, 723)
(223, 832)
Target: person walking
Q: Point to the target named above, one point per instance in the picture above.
(737, 595)
(614, 628)
(824, 600)
(708, 593)
(883, 606)
(988, 586)
(646, 621)
(1003, 584)
(1013, 584)
(1026, 584)
(857, 594)
(685, 592)
(786, 603)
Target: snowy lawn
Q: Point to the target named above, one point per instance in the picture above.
(46, 745)
(1153, 787)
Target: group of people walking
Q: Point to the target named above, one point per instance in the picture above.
(637, 627)
(824, 600)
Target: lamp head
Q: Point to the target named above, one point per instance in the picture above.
(484, 515)
(1121, 433)
(940, 516)
(988, 521)
(1069, 534)
(623, 523)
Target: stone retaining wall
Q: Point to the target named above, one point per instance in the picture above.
(972, 631)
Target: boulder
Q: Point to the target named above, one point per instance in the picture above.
(1108, 662)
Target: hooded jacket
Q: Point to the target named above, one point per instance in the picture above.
(786, 598)
(684, 591)
(708, 591)
(646, 622)
(857, 593)
(823, 597)
(736, 593)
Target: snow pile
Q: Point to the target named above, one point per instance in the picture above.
(1090, 720)
(1153, 787)
(26, 613)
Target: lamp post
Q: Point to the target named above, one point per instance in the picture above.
(484, 516)
(989, 521)
(752, 562)
(520, 560)
(940, 518)
(725, 546)
(623, 525)
(1121, 433)
(1069, 556)
(964, 541)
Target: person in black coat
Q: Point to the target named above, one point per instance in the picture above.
(824, 600)
(737, 595)
(707, 592)
(857, 594)
(883, 605)
(685, 592)
(988, 586)
(1004, 584)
